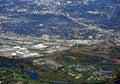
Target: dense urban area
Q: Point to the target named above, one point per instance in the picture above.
(59, 41)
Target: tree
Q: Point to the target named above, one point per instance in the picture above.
(117, 74)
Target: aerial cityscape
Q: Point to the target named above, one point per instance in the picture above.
(59, 41)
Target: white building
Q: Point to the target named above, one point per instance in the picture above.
(31, 55)
(45, 37)
(39, 46)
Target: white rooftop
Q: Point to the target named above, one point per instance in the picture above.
(39, 46)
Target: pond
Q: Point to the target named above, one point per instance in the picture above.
(32, 74)
(106, 70)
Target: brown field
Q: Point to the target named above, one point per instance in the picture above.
(102, 52)
(117, 61)
(72, 57)
(86, 48)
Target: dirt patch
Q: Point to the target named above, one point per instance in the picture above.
(71, 57)
(117, 61)
(76, 50)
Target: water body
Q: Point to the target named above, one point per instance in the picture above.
(106, 70)
(31, 74)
